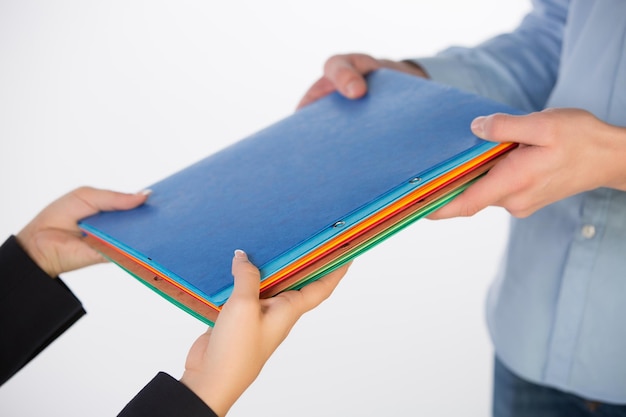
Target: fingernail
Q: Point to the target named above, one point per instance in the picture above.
(240, 254)
(351, 89)
(478, 125)
(147, 191)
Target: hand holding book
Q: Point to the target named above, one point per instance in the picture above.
(226, 359)
(54, 241)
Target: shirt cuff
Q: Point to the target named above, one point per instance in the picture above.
(450, 71)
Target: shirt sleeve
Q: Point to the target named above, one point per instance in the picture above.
(34, 309)
(518, 68)
(165, 396)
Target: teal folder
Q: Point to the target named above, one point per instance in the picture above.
(286, 190)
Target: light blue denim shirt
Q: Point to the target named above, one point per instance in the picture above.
(557, 308)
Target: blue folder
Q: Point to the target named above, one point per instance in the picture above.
(285, 190)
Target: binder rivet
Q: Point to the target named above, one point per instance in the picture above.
(414, 180)
(340, 223)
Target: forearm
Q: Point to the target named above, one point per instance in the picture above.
(34, 309)
(518, 68)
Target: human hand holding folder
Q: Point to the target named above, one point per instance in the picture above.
(53, 240)
(346, 74)
(564, 152)
(225, 360)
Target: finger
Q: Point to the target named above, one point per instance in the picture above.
(56, 251)
(86, 254)
(346, 73)
(247, 277)
(321, 88)
(105, 200)
(312, 295)
(487, 191)
(530, 129)
(85, 201)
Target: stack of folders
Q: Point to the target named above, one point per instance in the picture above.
(304, 195)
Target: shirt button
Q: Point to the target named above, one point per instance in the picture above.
(588, 231)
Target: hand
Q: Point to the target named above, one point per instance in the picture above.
(562, 152)
(225, 360)
(345, 73)
(54, 241)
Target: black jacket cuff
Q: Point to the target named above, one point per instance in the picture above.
(166, 396)
(35, 309)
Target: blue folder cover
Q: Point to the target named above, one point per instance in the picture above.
(288, 188)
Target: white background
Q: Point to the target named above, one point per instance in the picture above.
(119, 94)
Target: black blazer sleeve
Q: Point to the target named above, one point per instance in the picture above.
(34, 309)
(164, 396)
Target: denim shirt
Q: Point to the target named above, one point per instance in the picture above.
(556, 311)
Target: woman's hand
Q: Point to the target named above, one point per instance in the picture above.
(54, 241)
(225, 360)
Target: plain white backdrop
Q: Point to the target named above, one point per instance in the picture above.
(120, 94)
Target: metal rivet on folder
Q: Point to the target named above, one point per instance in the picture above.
(414, 180)
(339, 223)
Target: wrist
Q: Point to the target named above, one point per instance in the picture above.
(28, 242)
(214, 397)
(616, 155)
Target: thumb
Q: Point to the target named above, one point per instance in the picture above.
(247, 277)
(105, 200)
(85, 201)
(500, 127)
(485, 192)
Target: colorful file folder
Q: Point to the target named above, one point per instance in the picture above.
(304, 195)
